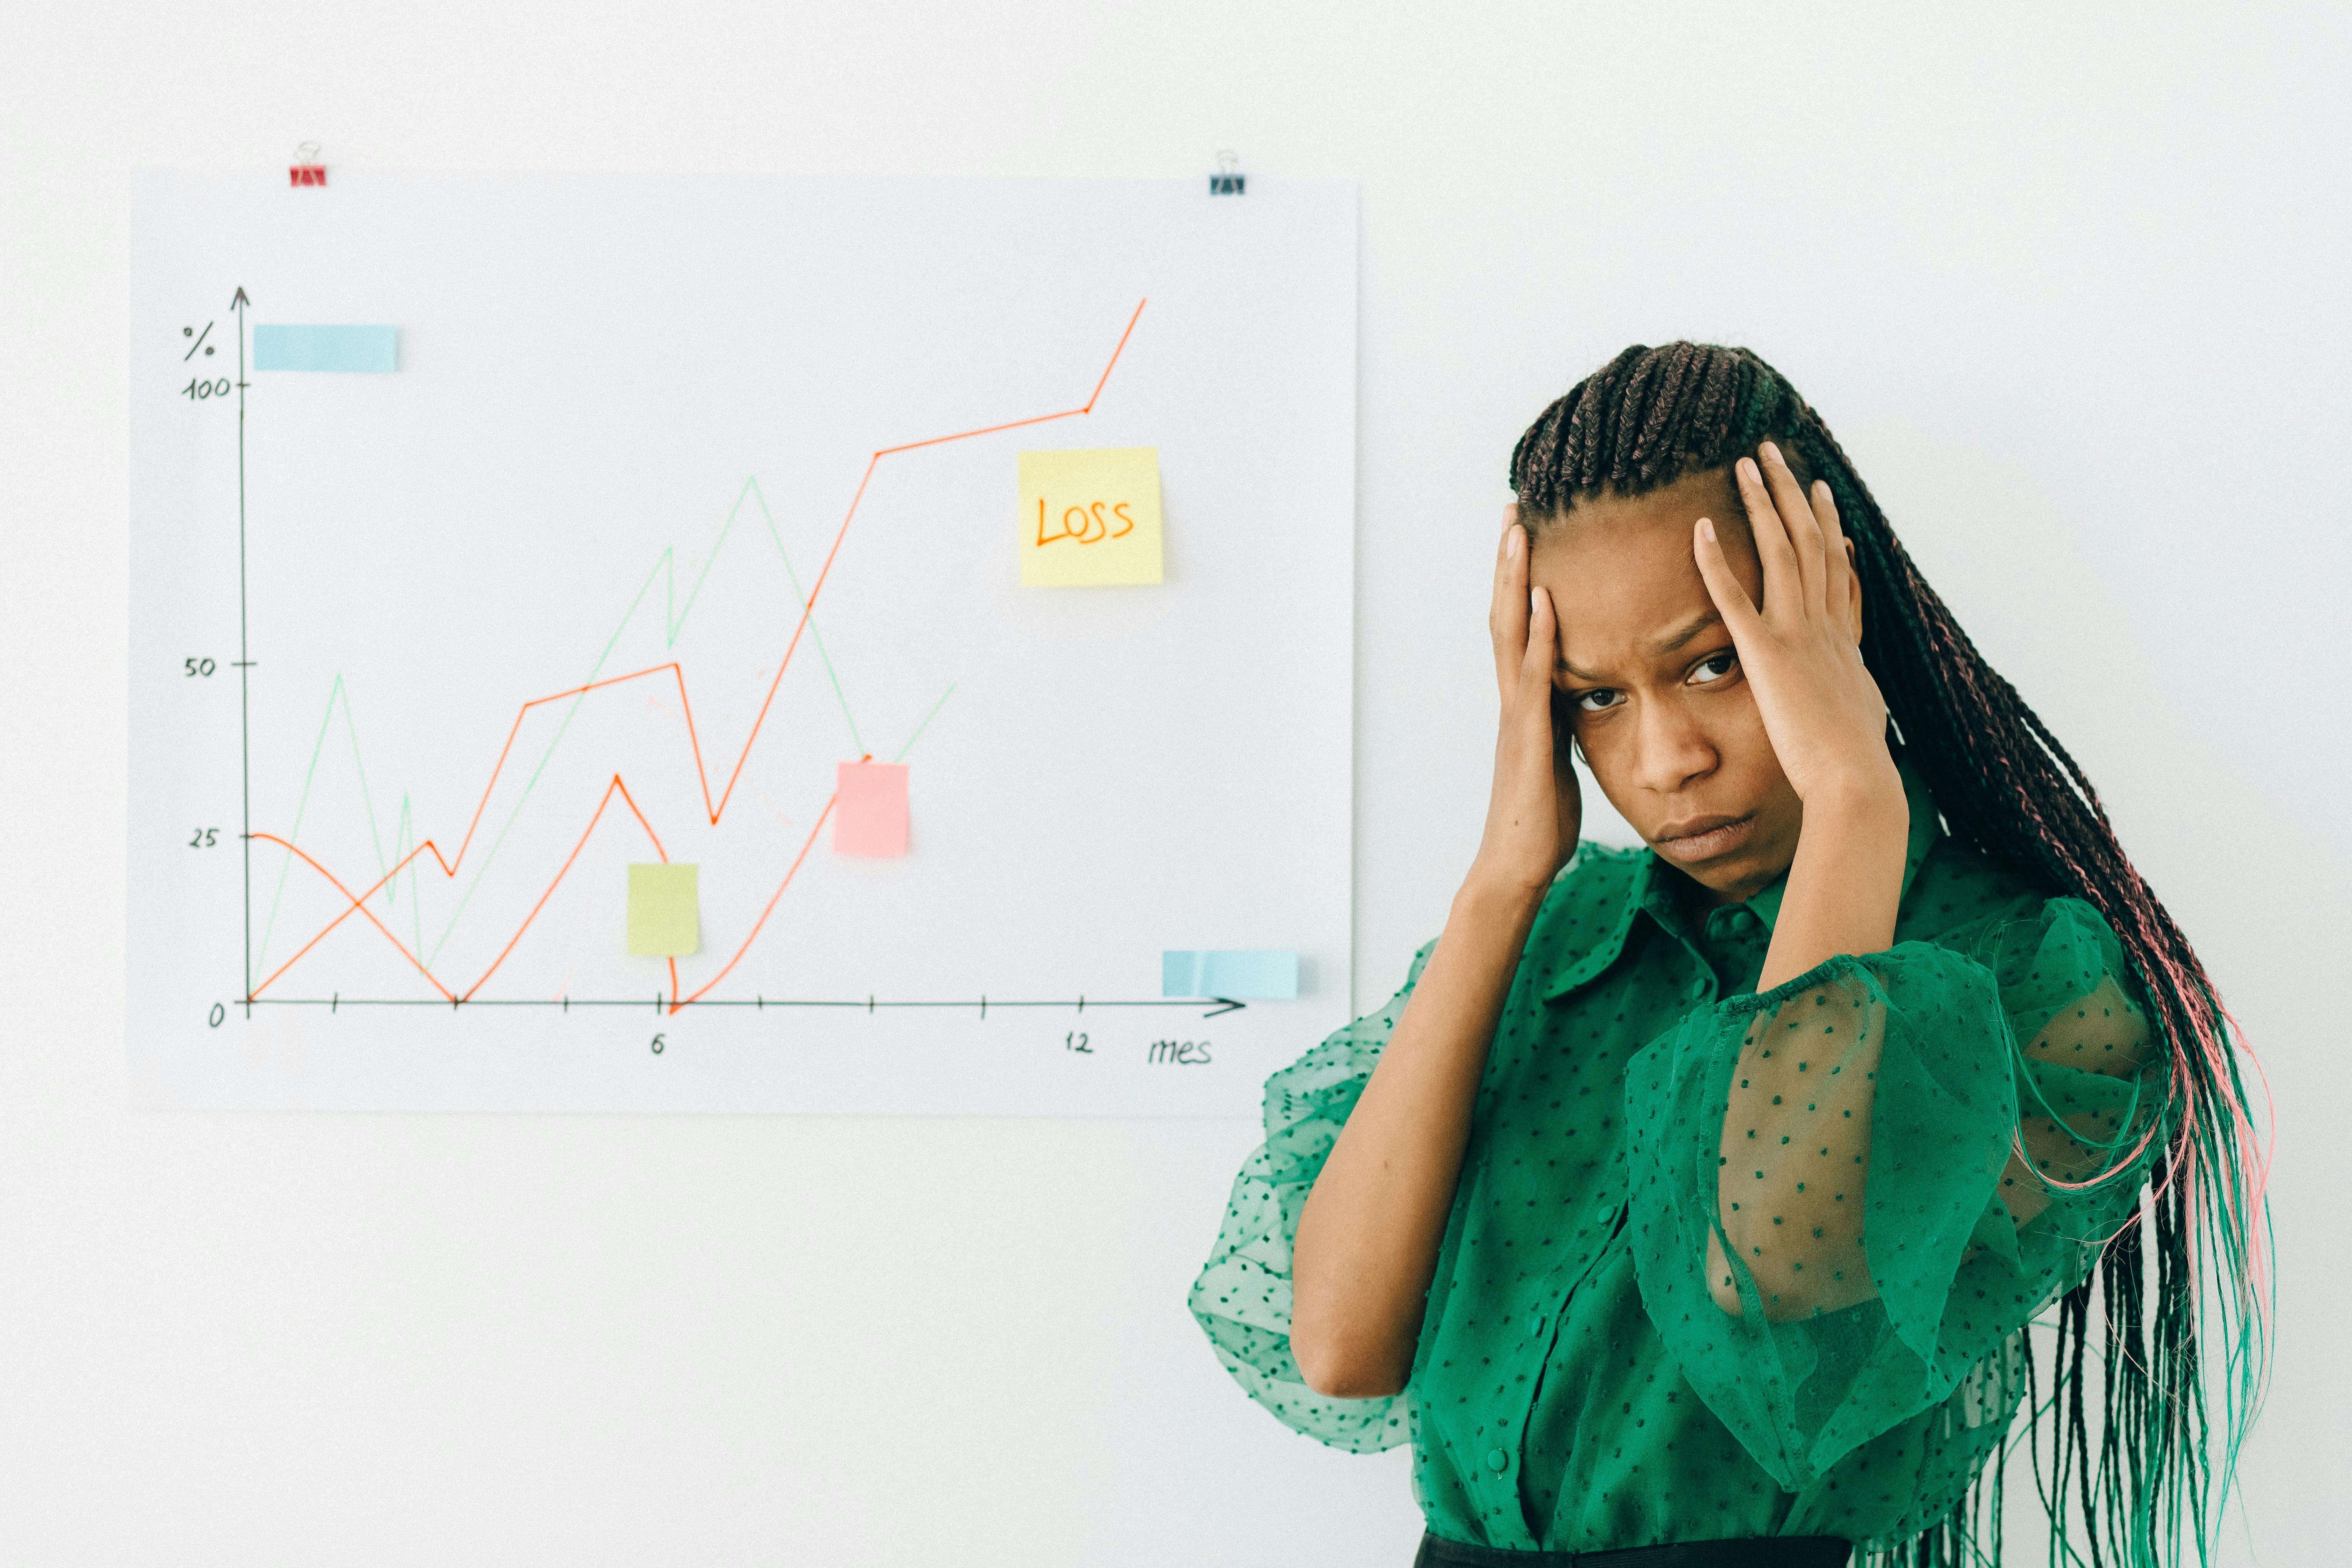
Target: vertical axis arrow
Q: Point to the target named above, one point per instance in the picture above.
(244, 662)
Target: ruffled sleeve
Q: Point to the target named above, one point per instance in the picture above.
(1242, 1295)
(1843, 1190)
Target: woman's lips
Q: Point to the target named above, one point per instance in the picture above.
(1707, 842)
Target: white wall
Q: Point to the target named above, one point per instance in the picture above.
(2069, 290)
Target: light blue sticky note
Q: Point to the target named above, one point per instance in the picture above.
(281, 347)
(1251, 975)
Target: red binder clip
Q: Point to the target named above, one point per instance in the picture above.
(307, 170)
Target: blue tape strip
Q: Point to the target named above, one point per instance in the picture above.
(1242, 974)
(281, 347)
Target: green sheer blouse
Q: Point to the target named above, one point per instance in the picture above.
(1601, 1363)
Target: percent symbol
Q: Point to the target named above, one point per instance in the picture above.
(199, 343)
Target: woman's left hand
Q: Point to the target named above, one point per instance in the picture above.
(1802, 652)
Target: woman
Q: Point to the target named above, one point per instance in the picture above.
(1699, 1195)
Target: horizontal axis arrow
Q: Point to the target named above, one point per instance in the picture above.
(1216, 1006)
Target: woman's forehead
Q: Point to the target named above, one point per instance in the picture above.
(1620, 569)
(1623, 581)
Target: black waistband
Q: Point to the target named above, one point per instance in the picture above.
(1762, 1552)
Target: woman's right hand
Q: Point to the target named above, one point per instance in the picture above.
(1536, 809)
(1368, 1233)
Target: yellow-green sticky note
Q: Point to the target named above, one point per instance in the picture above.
(662, 918)
(1091, 518)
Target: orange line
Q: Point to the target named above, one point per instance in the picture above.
(984, 430)
(686, 707)
(340, 919)
(615, 784)
(808, 607)
(450, 866)
(1090, 408)
(496, 769)
(359, 905)
(675, 1003)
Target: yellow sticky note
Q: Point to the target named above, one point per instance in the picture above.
(1091, 518)
(662, 918)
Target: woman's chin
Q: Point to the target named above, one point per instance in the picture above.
(1730, 877)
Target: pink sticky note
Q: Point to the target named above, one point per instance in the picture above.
(869, 808)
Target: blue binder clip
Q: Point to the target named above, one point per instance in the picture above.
(1227, 181)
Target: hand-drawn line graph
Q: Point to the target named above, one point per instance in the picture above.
(447, 647)
(677, 999)
(675, 618)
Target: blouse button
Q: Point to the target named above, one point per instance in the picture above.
(1699, 988)
(1498, 1460)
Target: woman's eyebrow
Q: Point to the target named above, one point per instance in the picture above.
(1666, 643)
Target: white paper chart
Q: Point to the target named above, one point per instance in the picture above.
(494, 535)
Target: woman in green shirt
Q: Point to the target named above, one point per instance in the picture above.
(1700, 1195)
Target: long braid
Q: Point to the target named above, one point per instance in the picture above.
(2005, 784)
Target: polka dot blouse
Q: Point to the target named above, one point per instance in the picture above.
(1723, 1264)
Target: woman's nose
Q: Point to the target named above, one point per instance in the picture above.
(1672, 752)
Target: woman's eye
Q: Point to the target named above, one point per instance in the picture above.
(1602, 699)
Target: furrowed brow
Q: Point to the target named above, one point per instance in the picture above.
(1671, 642)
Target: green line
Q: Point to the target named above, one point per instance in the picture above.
(674, 617)
(491, 853)
(338, 691)
(925, 724)
(674, 623)
(351, 727)
(407, 847)
(671, 628)
(302, 804)
(402, 828)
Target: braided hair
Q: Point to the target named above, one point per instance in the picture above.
(2005, 784)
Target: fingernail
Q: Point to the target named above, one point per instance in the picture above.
(1511, 542)
(1772, 451)
(1706, 529)
(1749, 470)
(1532, 601)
